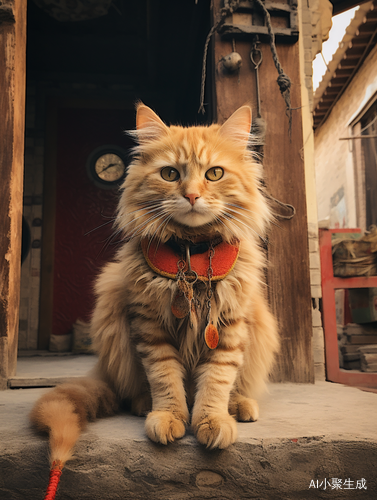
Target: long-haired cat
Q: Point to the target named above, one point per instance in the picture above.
(181, 322)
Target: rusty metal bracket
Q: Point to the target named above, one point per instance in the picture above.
(248, 20)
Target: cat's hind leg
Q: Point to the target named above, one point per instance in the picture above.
(242, 408)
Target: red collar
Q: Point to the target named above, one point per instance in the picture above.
(163, 260)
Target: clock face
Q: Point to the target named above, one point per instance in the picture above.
(110, 167)
(106, 166)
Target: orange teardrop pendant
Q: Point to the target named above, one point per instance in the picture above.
(211, 336)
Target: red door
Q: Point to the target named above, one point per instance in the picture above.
(84, 208)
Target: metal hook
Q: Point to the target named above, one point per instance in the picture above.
(257, 52)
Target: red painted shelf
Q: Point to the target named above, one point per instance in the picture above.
(329, 284)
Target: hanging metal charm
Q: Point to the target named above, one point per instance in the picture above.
(211, 334)
(182, 303)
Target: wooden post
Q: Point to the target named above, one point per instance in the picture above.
(12, 130)
(288, 273)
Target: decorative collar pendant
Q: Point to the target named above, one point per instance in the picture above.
(211, 334)
(187, 263)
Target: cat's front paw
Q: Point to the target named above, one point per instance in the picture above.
(215, 431)
(164, 427)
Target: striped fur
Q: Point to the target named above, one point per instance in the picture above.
(146, 354)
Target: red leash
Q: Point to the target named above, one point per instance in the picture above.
(55, 473)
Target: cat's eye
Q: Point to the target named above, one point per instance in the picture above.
(169, 174)
(214, 173)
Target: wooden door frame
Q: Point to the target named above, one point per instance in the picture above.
(12, 134)
(49, 201)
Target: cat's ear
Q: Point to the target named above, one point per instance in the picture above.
(237, 126)
(148, 125)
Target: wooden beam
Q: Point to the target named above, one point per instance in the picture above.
(288, 274)
(12, 123)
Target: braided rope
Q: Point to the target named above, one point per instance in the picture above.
(55, 473)
(283, 80)
(229, 7)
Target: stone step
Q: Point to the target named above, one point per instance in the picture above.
(312, 441)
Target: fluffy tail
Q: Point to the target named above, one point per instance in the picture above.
(64, 412)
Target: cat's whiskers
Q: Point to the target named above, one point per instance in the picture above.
(152, 204)
(165, 222)
(218, 219)
(168, 207)
(123, 227)
(141, 227)
(240, 207)
(231, 221)
(232, 218)
(271, 220)
(150, 207)
(99, 227)
(241, 214)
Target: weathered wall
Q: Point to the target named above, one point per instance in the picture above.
(334, 158)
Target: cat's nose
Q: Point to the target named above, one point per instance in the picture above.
(192, 198)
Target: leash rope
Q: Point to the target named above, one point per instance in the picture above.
(55, 473)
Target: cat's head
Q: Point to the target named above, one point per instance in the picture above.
(192, 181)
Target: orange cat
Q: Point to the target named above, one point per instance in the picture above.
(181, 321)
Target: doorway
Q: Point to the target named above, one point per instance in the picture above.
(85, 165)
(84, 76)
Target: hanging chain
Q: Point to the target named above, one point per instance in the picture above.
(211, 254)
(183, 300)
(180, 276)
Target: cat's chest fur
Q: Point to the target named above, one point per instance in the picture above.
(186, 333)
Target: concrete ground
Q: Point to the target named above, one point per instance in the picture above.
(311, 441)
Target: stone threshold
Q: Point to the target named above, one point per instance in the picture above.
(308, 438)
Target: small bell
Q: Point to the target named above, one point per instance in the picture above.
(232, 62)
